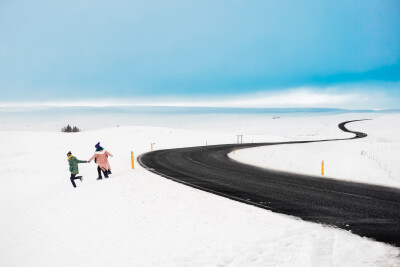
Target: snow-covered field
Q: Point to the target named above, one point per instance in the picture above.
(136, 218)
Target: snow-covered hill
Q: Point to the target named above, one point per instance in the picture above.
(375, 159)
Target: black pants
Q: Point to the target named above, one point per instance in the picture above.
(73, 178)
(104, 172)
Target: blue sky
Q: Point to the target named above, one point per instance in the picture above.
(183, 51)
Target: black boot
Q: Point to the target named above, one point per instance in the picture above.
(109, 172)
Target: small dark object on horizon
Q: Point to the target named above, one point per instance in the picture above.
(69, 129)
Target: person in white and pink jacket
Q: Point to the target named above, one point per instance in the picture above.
(101, 158)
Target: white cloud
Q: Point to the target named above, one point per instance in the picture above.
(292, 98)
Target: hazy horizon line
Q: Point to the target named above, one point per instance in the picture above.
(293, 98)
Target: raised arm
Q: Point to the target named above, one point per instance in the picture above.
(109, 154)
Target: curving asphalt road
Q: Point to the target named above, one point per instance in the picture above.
(364, 209)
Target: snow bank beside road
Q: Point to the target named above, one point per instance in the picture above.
(137, 218)
(374, 159)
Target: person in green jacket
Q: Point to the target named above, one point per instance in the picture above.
(73, 167)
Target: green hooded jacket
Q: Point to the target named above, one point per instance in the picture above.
(73, 164)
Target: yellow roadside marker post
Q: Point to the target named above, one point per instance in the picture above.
(132, 160)
(322, 168)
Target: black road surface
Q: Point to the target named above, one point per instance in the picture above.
(364, 209)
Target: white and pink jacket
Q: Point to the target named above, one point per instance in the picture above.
(101, 159)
